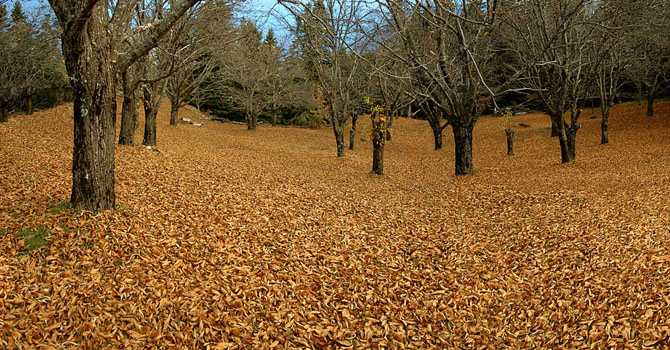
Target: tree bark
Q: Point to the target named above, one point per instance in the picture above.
(352, 132)
(650, 102)
(251, 121)
(463, 148)
(338, 130)
(4, 112)
(129, 119)
(30, 103)
(554, 128)
(437, 137)
(378, 149)
(557, 118)
(571, 134)
(389, 126)
(174, 111)
(87, 55)
(150, 112)
(604, 125)
(510, 141)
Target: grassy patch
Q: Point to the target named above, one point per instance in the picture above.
(124, 208)
(62, 206)
(34, 237)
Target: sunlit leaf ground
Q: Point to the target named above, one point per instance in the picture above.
(229, 239)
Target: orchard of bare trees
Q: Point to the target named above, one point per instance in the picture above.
(448, 62)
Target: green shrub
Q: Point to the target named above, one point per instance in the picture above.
(307, 119)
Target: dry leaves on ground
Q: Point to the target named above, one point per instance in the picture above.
(228, 239)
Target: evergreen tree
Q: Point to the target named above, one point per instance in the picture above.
(270, 38)
(17, 13)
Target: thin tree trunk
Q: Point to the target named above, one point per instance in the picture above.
(174, 111)
(378, 149)
(437, 133)
(251, 122)
(604, 124)
(338, 130)
(129, 119)
(650, 102)
(4, 112)
(389, 126)
(557, 118)
(510, 141)
(92, 79)
(150, 112)
(554, 128)
(463, 149)
(352, 132)
(30, 103)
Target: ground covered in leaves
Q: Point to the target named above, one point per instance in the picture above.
(229, 239)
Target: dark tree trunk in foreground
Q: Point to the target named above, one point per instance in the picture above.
(174, 111)
(92, 79)
(150, 112)
(338, 130)
(435, 125)
(389, 126)
(437, 137)
(510, 141)
(650, 102)
(30, 104)
(554, 128)
(572, 131)
(4, 112)
(91, 62)
(251, 121)
(604, 125)
(557, 118)
(463, 149)
(129, 118)
(378, 139)
(352, 132)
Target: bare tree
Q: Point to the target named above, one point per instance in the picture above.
(328, 34)
(448, 50)
(253, 74)
(193, 43)
(552, 44)
(92, 33)
(650, 41)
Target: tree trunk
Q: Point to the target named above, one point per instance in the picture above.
(389, 126)
(378, 149)
(30, 104)
(557, 118)
(437, 137)
(338, 130)
(129, 119)
(463, 148)
(571, 134)
(604, 125)
(273, 119)
(174, 111)
(554, 128)
(510, 141)
(4, 112)
(650, 102)
(150, 112)
(251, 122)
(92, 79)
(352, 132)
